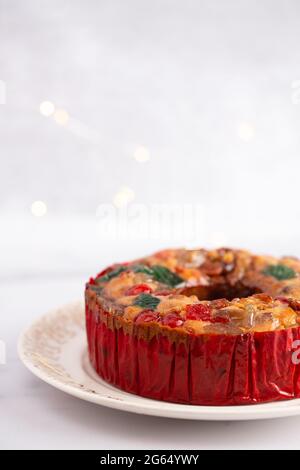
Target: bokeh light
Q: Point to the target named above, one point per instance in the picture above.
(123, 197)
(141, 154)
(245, 131)
(39, 208)
(47, 108)
(61, 117)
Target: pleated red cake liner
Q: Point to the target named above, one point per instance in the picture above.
(205, 370)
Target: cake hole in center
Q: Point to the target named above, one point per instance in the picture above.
(221, 291)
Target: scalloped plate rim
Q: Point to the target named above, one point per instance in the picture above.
(140, 405)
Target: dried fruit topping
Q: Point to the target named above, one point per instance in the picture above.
(263, 297)
(219, 303)
(279, 271)
(212, 268)
(163, 292)
(113, 273)
(227, 255)
(165, 276)
(160, 274)
(219, 319)
(142, 268)
(173, 320)
(139, 289)
(198, 312)
(204, 313)
(295, 304)
(104, 271)
(96, 288)
(92, 281)
(284, 300)
(146, 316)
(147, 301)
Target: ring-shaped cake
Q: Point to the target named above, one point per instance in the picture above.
(200, 327)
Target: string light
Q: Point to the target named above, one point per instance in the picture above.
(141, 154)
(123, 197)
(245, 131)
(47, 108)
(39, 208)
(61, 117)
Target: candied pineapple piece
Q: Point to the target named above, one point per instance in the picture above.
(195, 326)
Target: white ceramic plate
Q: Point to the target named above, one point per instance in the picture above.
(54, 348)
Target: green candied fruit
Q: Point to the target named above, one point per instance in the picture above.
(159, 273)
(114, 273)
(279, 271)
(165, 276)
(97, 289)
(147, 301)
(142, 268)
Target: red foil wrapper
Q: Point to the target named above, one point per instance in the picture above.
(201, 370)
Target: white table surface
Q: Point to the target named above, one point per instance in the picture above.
(34, 415)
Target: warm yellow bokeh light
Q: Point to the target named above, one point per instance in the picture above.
(39, 208)
(245, 131)
(123, 197)
(47, 108)
(61, 116)
(141, 154)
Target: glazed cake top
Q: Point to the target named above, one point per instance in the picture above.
(221, 291)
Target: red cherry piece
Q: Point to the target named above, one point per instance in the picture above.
(198, 312)
(146, 316)
(294, 304)
(105, 271)
(163, 292)
(173, 320)
(219, 320)
(263, 297)
(284, 300)
(139, 289)
(92, 281)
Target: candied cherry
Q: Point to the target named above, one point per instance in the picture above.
(139, 289)
(284, 300)
(147, 316)
(173, 320)
(294, 304)
(163, 292)
(105, 271)
(198, 312)
(219, 319)
(263, 297)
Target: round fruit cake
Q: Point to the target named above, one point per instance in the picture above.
(218, 327)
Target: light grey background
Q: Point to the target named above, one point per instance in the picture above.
(179, 77)
(210, 88)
